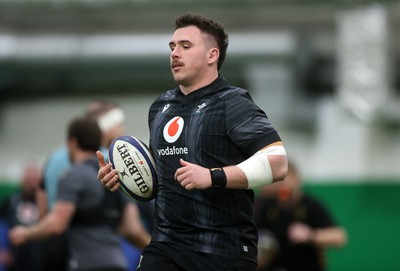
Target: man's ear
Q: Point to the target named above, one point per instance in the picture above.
(72, 142)
(213, 55)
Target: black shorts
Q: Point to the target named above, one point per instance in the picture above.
(164, 256)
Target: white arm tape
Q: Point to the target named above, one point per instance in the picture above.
(258, 169)
(111, 119)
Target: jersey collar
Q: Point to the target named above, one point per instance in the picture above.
(215, 86)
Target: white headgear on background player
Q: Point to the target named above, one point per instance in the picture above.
(111, 119)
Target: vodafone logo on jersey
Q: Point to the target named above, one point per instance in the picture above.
(171, 132)
(173, 129)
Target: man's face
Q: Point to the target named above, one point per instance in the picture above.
(189, 55)
(291, 182)
(31, 178)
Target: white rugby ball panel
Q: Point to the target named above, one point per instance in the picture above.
(135, 166)
(146, 154)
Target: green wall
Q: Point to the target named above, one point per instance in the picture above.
(371, 215)
(370, 212)
(7, 188)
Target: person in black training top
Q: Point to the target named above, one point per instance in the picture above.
(21, 208)
(212, 146)
(300, 224)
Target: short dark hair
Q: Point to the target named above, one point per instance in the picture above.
(206, 25)
(87, 133)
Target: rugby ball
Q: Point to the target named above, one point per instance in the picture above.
(136, 167)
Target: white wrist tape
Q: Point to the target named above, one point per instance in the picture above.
(111, 119)
(258, 169)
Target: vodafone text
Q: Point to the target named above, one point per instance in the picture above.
(172, 151)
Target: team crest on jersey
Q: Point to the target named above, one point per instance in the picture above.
(173, 129)
(199, 108)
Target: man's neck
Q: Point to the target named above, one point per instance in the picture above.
(82, 156)
(187, 89)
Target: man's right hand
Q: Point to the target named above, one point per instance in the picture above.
(107, 175)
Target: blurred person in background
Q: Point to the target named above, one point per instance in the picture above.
(111, 119)
(91, 216)
(295, 229)
(21, 209)
(58, 161)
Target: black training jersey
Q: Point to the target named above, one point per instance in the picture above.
(275, 216)
(215, 126)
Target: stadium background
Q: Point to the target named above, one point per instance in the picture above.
(326, 72)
